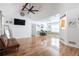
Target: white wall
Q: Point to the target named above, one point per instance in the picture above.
(71, 33)
(20, 31)
(0, 23)
(11, 11)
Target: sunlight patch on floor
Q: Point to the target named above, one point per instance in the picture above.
(55, 43)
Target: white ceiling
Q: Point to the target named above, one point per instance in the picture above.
(51, 9)
(45, 9)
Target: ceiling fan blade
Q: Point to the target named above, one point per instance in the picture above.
(32, 12)
(35, 10)
(31, 8)
(24, 6)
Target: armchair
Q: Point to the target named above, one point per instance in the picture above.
(8, 44)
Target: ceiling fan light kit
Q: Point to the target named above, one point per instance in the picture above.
(22, 13)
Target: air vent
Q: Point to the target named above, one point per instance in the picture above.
(72, 42)
(62, 16)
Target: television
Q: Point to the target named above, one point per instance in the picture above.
(19, 22)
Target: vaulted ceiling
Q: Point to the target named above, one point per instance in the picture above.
(45, 9)
(51, 9)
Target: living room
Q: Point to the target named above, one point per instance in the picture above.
(49, 28)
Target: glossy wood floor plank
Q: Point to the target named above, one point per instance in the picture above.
(34, 46)
(66, 50)
(41, 46)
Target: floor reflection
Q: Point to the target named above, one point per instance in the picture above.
(55, 44)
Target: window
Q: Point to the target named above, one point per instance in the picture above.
(55, 25)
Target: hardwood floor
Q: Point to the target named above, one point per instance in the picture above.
(66, 50)
(36, 46)
(41, 46)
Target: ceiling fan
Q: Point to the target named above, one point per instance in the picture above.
(29, 8)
